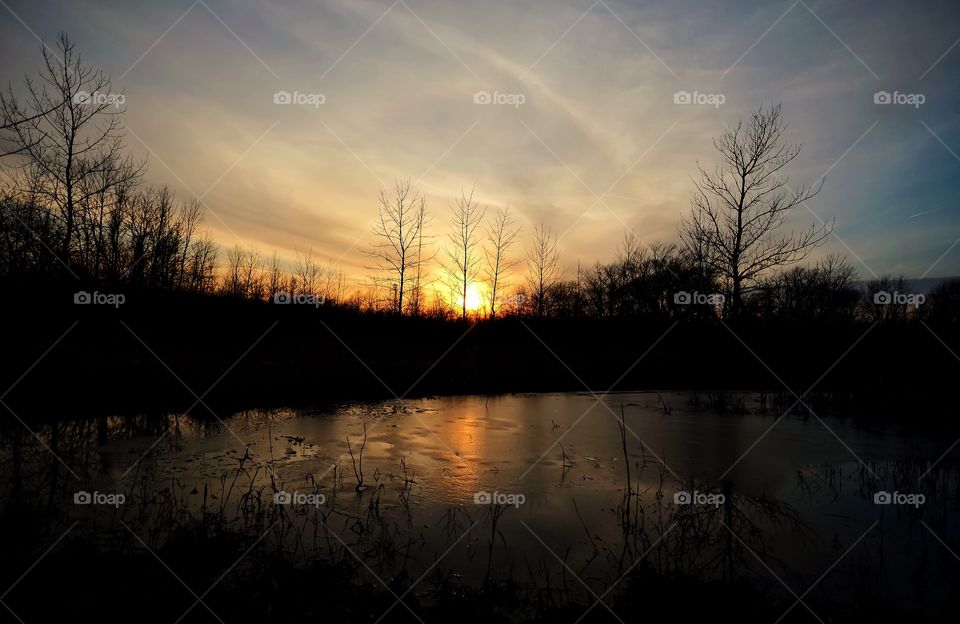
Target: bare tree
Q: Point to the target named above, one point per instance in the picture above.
(885, 299)
(463, 258)
(416, 294)
(190, 218)
(543, 267)
(244, 276)
(275, 275)
(826, 291)
(13, 114)
(500, 237)
(740, 206)
(68, 131)
(397, 250)
(202, 265)
(78, 195)
(335, 283)
(308, 273)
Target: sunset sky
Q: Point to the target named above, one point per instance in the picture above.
(585, 134)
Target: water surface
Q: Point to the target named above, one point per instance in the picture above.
(792, 496)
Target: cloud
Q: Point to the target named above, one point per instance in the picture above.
(598, 114)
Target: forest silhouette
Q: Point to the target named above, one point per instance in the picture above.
(735, 301)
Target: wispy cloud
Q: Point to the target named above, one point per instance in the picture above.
(398, 82)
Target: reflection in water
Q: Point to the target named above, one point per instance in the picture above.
(464, 433)
(510, 486)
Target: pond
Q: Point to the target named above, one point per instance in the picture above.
(567, 491)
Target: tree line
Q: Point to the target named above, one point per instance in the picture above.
(74, 203)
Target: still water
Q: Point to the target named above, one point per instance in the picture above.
(549, 488)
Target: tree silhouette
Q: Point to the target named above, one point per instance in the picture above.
(463, 258)
(500, 237)
(69, 133)
(739, 208)
(398, 250)
(543, 267)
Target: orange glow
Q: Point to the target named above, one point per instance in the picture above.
(474, 298)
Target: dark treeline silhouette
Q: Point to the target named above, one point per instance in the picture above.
(75, 204)
(75, 207)
(124, 236)
(76, 215)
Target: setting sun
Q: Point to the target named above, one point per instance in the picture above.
(474, 299)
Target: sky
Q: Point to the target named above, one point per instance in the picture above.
(570, 112)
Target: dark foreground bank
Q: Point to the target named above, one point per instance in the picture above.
(205, 573)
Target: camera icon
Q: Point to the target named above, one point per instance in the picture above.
(282, 498)
(282, 97)
(82, 297)
(482, 498)
(281, 297)
(82, 498)
(682, 97)
(882, 97)
(882, 498)
(882, 297)
(482, 97)
(682, 298)
(82, 97)
(682, 498)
